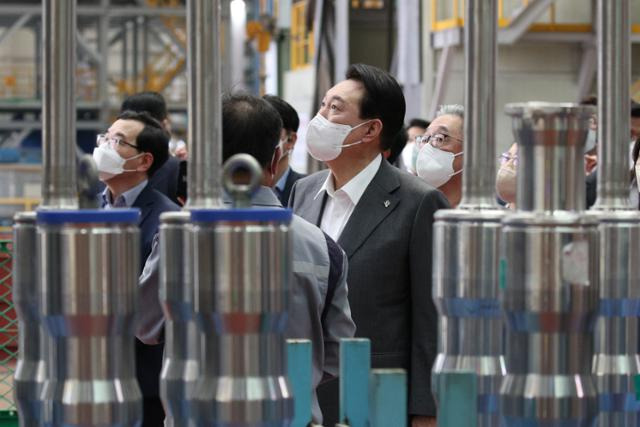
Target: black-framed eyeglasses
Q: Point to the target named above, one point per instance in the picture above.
(114, 142)
(437, 140)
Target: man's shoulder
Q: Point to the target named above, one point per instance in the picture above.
(160, 201)
(410, 186)
(316, 178)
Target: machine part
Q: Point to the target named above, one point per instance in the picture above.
(616, 364)
(614, 75)
(180, 367)
(59, 104)
(467, 240)
(205, 106)
(88, 264)
(551, 139)
(246, 165)
(242, 269)
(549, 273)
(30, 370)
(478, 173)
(466, 294)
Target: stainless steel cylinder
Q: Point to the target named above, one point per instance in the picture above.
(205, 105)
(478, 174)
(466, 292)
(614, 75)
(30, 370)
(59, 188)
(242, 268)
(551, 141)
(616, 364)
(549, 274)
(180, 367)
(88, 264)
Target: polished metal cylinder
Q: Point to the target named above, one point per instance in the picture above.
(242, 268)
(614, 75)
(180, 366)
(205, 105)
(59, 188)
(616, 364)
(465, 291)
(30, 370)
(478, 174)
(549, 274)
(88, 264)
(551, 141)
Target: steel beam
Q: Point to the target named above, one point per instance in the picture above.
(442, 78)
(523, 19)
(15, 27)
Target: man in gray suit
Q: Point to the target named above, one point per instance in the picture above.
(382, 217)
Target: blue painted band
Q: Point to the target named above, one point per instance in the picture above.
(618, 402)
(488, 403)
(619, 307)
(257, 215)
(84, 216)
(468, 307)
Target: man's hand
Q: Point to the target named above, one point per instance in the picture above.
(422, 421)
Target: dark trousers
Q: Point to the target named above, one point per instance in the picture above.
(329, 400)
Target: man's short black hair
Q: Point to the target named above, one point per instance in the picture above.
(289, 116)
(635, 109)
(151, 102)
(382, 99)
(152, 138)
(419, 123)
(249, 125)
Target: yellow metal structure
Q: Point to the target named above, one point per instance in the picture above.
(302, 44)
(456, 20)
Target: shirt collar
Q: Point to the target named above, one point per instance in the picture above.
(129, 196)
(356, 187)
(282, 182)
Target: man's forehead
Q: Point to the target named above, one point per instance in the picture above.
(446, 123)
(349, 91)
(127, 128)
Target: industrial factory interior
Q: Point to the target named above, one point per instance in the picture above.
(307, 213)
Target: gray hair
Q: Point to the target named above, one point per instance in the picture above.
(453, 109)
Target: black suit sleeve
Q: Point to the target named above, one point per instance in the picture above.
(424, 317)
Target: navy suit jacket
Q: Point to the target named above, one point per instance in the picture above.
(165, 179)
(288, 185)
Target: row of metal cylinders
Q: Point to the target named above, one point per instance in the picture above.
(224, 292)
(542, 304)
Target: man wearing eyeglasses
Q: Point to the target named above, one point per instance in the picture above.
(127, 155)
(439, 160)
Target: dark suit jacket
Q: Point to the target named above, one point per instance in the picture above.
(388, 242)
(288, 185)
(149, 357)
(591, 183)
(165, 179)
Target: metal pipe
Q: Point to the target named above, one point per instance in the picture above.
(30, 370)
(181, 361)
(616, 363)
(549, 273)
(59, 104)
(88, 266)
(467, 240)
(205, 107)
(614, 74)
(478, 179)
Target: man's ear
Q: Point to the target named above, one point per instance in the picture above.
(374, 129)
(293, 137)
(146, 162)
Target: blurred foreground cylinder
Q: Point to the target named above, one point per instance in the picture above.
(180, 366)
(466, 295)
(89, 262)
(550, 273)
(242, 268)
(30, 370)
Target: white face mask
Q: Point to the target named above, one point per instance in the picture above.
(324, 138)
(435, 166)
(109, 162)
(506, 184)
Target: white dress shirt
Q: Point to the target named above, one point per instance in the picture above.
(341, 203)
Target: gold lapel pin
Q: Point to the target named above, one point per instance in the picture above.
(386, 203)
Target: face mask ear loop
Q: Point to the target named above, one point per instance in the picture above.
(131, 158)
